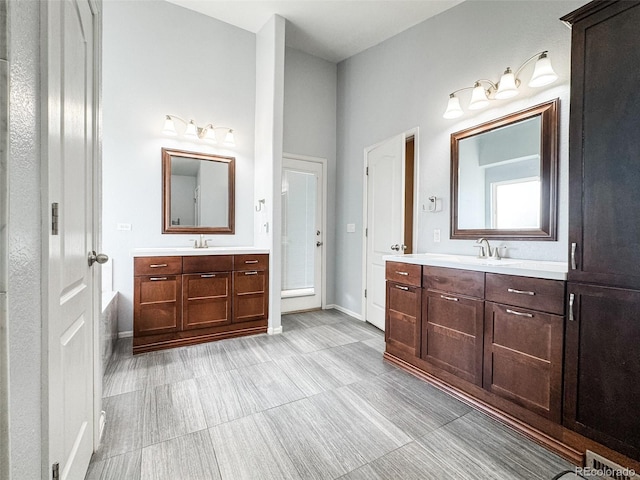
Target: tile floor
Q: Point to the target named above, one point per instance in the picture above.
(316, 402)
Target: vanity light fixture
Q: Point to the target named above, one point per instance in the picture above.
(193, 131)
(507, 87)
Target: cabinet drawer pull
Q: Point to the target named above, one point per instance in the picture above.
(521, 314)
(158, 265)
(155, 279)
(402, 273)
(453, 299)
(572, 298)
(402, 288)
(208, 275)
(523, 292)
(251, 273)
(251, 261)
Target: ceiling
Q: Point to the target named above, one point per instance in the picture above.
(334, 29)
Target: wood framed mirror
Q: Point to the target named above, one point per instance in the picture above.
(198, 192)
(504, 176)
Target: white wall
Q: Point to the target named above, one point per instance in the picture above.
(268, 162)
(310, 94)
(404, 82)
(24, 243)
(163, 59)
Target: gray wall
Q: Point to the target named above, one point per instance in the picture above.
(404, 82)
(4, 346)
(24, 242)
(310, 129)
(163, 59)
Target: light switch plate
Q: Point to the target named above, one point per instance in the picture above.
(436, 235)
(351, 228)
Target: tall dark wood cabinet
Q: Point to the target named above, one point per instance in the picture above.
(602, 357)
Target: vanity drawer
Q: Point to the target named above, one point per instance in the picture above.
(405, 273)
(535, 293)
(157, 265)
(251, 262)
(452, 280)
(207, 263)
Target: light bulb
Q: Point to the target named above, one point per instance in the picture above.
(192, 130)
(478, 97)
(507, 87)
(211, 134)
(229, 139)
(543, 73)
(169, 127)
(453, 108)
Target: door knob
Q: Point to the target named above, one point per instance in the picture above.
(318, 243)
(395, 247)
(97, 257)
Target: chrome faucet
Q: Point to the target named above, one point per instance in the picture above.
(202, 243)
(484, 252)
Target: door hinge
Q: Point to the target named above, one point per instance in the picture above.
(366, 232)
(367, 172)
(55, 471)
(54, 218)
(365, 293)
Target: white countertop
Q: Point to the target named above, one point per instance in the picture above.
(506, 266)
(185, 251)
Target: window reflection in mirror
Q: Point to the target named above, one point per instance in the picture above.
(198, 192)
(504, 176)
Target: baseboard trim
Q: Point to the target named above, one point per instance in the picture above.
(126, 334)
(274, 331)
(346, 311)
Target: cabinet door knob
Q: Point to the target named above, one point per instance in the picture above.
(522, 292)
(451, 299)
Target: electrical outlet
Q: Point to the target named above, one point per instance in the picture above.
(126, 227)
(436, 235)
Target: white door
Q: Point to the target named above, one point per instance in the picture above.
(385, 219)
(302, 234)
(72, 283)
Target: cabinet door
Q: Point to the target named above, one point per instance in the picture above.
(207, 300)
(604, 156)
(250, 295)
(452, 331)
(157, 304)
(402, 329)
(523, 358)
(602, 366)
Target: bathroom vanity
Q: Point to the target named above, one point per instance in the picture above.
(489, 331)
(184, 296)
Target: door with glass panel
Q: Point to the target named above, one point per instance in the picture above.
(302, 234)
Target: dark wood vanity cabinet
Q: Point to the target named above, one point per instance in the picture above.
(523, 341)
(452, 321)
(195, 299)
(602, 365)
(403, 300)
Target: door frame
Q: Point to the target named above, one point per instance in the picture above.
(413, 132)
(96, 149)
(323, 162)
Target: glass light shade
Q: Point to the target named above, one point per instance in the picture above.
(191, 131)
(169, 127)
(229, 139)
(478, 97)
(211, 135)
(543, 73)
(507, 86)
(453, 108)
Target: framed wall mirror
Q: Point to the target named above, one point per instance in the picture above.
(198, 192)
(504, 176)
